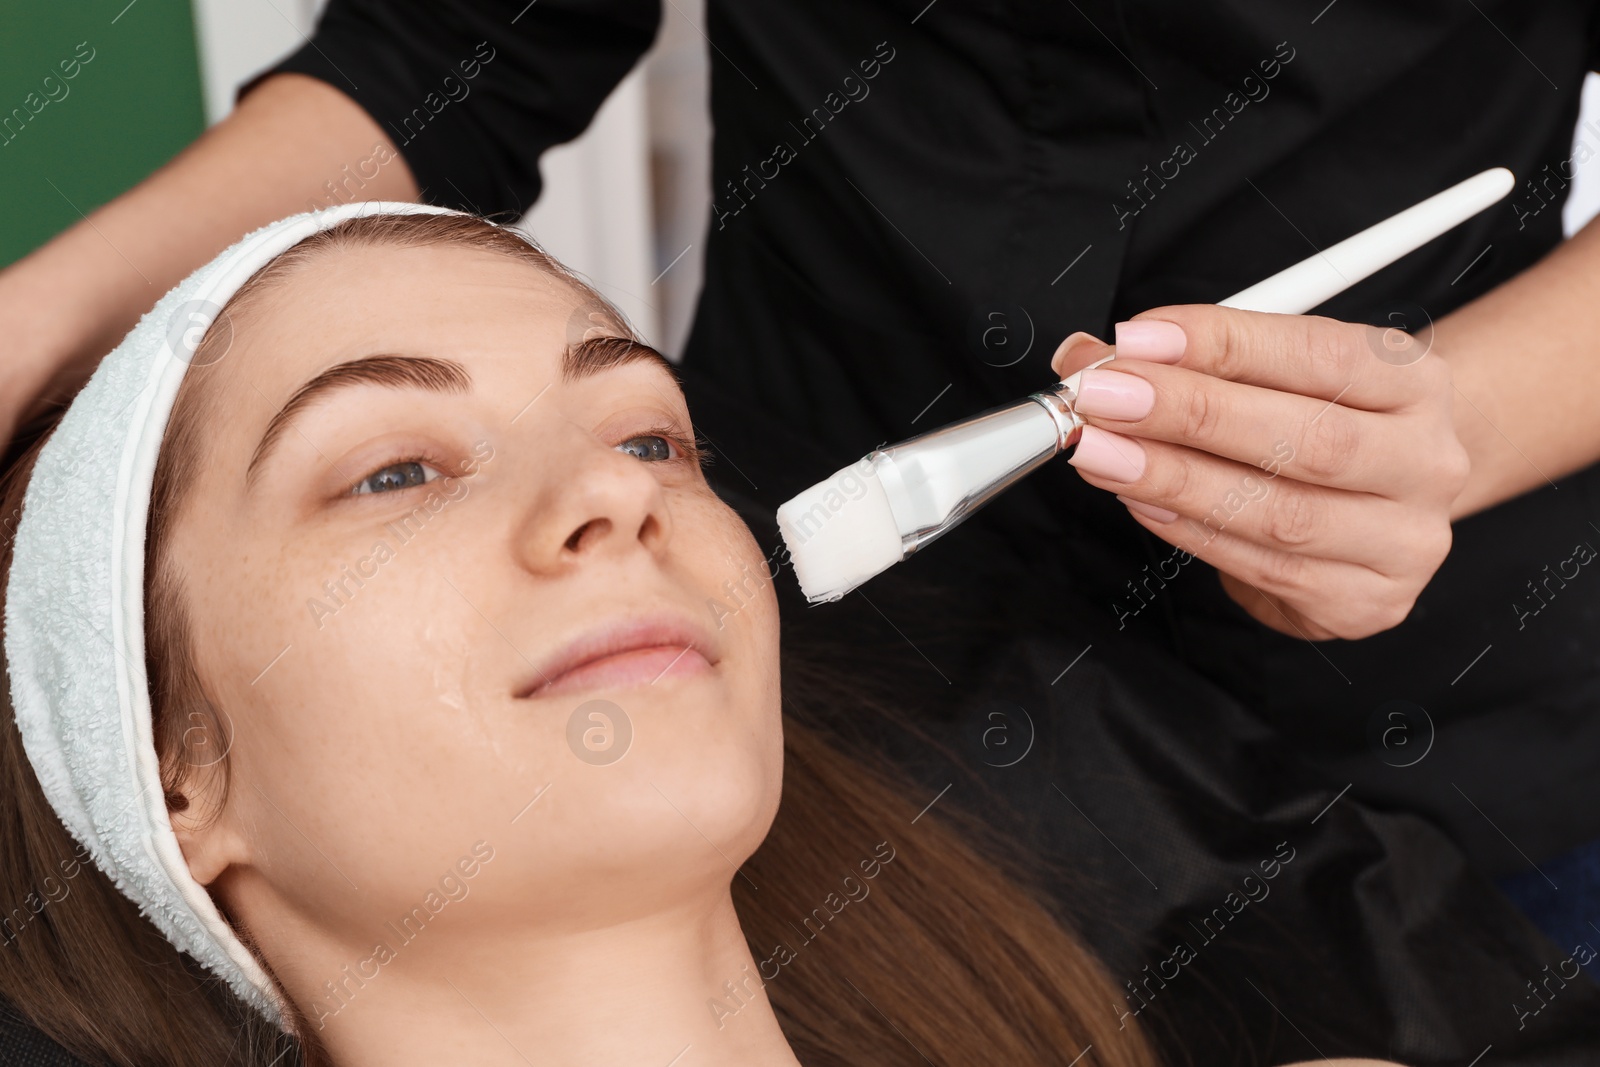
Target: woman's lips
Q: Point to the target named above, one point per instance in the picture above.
(625, 653)
(627, 670)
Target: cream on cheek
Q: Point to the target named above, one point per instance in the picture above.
(725, 568)
(735, 590)
(356, 743)
(340, 690)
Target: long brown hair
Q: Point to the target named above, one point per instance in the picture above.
(880, 936)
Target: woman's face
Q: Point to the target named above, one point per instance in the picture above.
(484, 605)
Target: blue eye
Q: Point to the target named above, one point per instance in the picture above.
(651, 447)
(395, 476)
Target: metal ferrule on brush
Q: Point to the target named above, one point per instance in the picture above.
(933, 482)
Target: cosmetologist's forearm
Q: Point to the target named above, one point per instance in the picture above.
(292, 144)
(1526, 360)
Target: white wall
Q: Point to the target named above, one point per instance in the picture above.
(1584, 202)
(238, 38)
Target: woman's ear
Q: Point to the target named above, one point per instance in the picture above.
(204, 823)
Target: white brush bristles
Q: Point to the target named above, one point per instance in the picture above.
(840, 532)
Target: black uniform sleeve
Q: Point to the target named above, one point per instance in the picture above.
(1594, 37)
(473, 92)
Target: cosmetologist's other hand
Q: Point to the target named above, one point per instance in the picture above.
(36, 355)
(1312, 462)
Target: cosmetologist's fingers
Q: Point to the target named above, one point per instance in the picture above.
(1305, 596)
(1077, 352)
(1204, 496)
(1360, 366)
(1316, 441)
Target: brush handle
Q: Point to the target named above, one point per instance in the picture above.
(1300, 288)
(1330, 272)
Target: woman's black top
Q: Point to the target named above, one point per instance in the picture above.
(913, 202)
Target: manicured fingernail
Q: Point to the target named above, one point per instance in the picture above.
(1113, 395)
(1079, 338)
(1108, 455)
(1149, 511)
(1152, 339)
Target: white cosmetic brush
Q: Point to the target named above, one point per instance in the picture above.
(876, 512)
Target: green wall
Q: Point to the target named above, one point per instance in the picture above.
(129, 109)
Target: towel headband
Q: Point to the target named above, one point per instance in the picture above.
(74, 613)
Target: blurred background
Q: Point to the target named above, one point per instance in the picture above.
(626, 204)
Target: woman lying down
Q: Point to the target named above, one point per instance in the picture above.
(367, 701)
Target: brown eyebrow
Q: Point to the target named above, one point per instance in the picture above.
(394, 371)
(580, 360)
(596, 354)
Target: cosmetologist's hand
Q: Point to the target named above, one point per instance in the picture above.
(33, 355)
(1312, 462)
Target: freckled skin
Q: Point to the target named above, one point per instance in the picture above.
(387, 735)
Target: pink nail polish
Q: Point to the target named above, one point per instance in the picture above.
(1149, 511)
(1113, 395)
(1152, 339)
(1108, 455)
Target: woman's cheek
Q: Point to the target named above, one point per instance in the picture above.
(730, 576)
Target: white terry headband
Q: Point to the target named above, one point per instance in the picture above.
(74, 614)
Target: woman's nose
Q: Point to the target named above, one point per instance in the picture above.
(606, 504)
